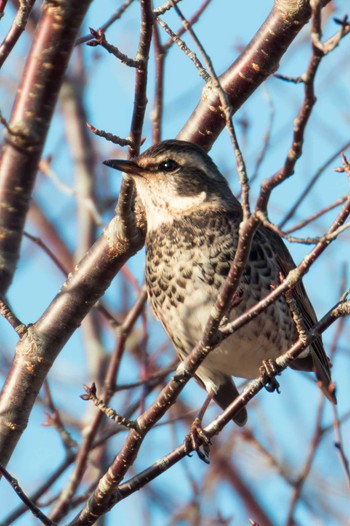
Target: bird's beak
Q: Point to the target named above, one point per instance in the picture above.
(129, 167)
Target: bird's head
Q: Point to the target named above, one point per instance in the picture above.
(177, 178)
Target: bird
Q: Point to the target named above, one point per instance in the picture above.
(193, 222)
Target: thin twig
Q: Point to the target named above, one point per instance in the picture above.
(117, 15)
(45, 168)
(91, 394)
(227, 110)
(24, 498)
(191, 55)
(193, 20)
(84, 451)
(54, 419)
(152, 379)
(157, 112)
(329, 236)
(9, 315)
(165, 7)
(99, 39)
(109, 136)
(299, 483)
(38, 241)
(315, 216)
(17, 28)
(311, 184)
(339, 444)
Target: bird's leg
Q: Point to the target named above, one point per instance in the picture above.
(197, 437)
(268, 370)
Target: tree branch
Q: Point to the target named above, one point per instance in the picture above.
(31, 117)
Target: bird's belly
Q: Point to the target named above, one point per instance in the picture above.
(185, 322)
(242, 355)
(265, 337)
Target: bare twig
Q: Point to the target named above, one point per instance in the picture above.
(339, 444)
(315, 216)
(17, 28)
(117, 15)
(62, 504)
(227, 111)
(27, 501)
(191, 21)
(91, 394)
(87, 201)
(191, 55)
(54, 419)
(99, 39)
(15, 323)
(165, 7)
(305, 240)
(109, 136)
(300, 481)
(311, 184)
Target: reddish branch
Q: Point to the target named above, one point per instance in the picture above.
(84, 451)
(17, 28)
(38, 349)
(109, 492)
(30, 120)
(27, 501)
(259, 60)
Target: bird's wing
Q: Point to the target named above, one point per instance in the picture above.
(320, 360)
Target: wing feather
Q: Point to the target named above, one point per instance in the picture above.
(320, 362)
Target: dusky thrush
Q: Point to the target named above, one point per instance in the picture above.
(192, 233)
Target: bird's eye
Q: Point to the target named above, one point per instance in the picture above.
(168, 166)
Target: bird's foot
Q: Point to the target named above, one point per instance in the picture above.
(197, 439)
(268, 370)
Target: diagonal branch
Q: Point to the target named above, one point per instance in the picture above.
(257, 62)
(17, 28)
(120, 492)
(38, 349)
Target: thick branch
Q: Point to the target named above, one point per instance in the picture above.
(38, 349)
(259, 60)
(31, 116)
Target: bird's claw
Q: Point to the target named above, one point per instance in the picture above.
(268, 370)
(196, 439)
